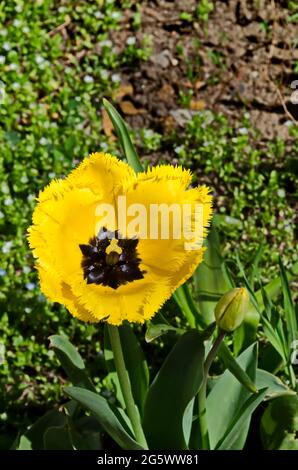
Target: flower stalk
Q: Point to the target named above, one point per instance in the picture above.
(125, 385)
(202, 418)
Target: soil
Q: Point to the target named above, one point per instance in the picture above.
(241, 60)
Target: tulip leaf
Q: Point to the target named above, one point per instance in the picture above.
(279, 424)
(171, 391)
(275, 387)
(58, 438)
(71, 361)
(184, 299)
(233, 366)
(226, 399)
(246, 333)
(123, 136)
(33, 438)
(211, 278)
(154, 330)
(87, 434)
(107, 416)
(289, 309)
(230, 439)
(135, 362)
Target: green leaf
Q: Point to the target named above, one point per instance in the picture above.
(57, 438)
(124, 137)
(279, 424)
(289, 308)
(246, 334)
(232, 365)
(226, 399)
(254, 271)
(172, 390)
(275, 387)
(71, 361)
(154, 330)
(33, 438)
(106, 415)
(87, 434)
(211, 278)
(231, 438)
(184, 299)
(135, 362)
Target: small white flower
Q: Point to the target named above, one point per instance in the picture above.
(39, 59)
(148, 133)
(15, 86)
(43, 141)
(25, 30)
(78, 98)
(24, 179)
(116, 78)
(26, 270)
(2, 92)
(28, 309)
(243, 130)
(13, 66)
(131, 41)
(288, 123)
(19, 8)
(6, 247)
(1, 215)
(16, 23)
(106, 43)
(2, 59)
(88, 79)
(8, 201)
(178, 149)
(104, 74)
(6, 46)
(52, 174)
(116, 15)
(99, 15)
(67, 69)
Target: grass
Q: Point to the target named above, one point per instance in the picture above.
(55, 67)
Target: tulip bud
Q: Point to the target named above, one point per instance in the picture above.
(231, 309)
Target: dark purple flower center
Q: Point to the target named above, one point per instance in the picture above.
(110, 260)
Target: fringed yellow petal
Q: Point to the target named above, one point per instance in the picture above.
(58, 291)
(103, 174)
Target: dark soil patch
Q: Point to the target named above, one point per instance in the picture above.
(242, 59)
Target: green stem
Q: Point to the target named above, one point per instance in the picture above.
(203, 428)
(124, 381)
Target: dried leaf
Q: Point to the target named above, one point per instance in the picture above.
(199, 84)
(107, 125)
(128, 108)
(122, 91)
(197, 105)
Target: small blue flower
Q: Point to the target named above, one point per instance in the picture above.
(2, 272)
(30, 286)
